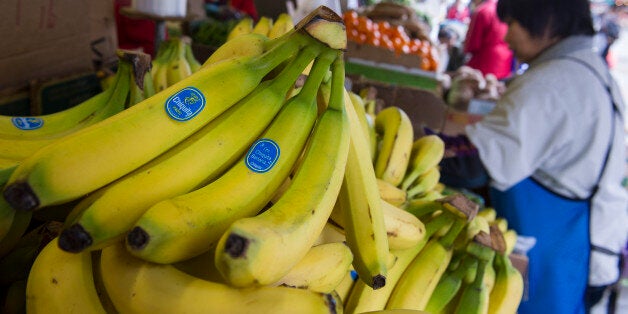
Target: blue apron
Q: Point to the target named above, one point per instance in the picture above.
(560, 258)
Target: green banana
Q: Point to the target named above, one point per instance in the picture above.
(449, 285)
(195, 65)
(194, 162)
(178, 66)
(247, 253)
(395, 129)
(136, 286)
(427, 152)
(102, 153)
(169, 231)
(425, 182)
(474, 298)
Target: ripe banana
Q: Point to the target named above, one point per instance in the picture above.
(187, 225)
(365, 121)
(136, 286)
(425, 182)
(396, 134)
(508, 289)
(404, 230)
(178, 66)
(245, 45)
(391, 193)
(282, 25)
(489, 213)
(247, 253)
(194, 162)
(361, 208)
(510, 238)
(61, 282)
(263, 26)
(195, 65)
(244, 26)
(363, 298)
(427, 152)
(92, 158)
(343, 289)
(331, 233)
(321, 269)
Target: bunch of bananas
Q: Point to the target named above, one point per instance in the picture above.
(264, 26)
(174, 61)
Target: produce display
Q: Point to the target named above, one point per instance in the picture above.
(257, 183)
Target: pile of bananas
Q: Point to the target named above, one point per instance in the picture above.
(174, 61)
(251, 186)
(264, 26)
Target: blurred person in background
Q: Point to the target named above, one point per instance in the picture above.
(484, 41)
(554, 148)
(459, 11)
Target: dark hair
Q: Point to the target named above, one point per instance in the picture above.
(561, 18)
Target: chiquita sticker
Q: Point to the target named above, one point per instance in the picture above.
(262, 156)
(27, 123)
(185, 104)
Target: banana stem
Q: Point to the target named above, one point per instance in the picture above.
(448, 239)
(293, 69)
(319, 69)
(336, 97)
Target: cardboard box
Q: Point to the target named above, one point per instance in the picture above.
(43, 38)
(102, 33)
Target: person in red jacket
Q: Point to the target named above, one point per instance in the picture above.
(485, 43)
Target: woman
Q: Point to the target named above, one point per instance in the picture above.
(484, 41)
(554, 149)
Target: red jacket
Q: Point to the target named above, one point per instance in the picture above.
(485, 42)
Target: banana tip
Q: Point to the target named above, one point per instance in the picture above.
(137, 238)
(21, 196)
(74, 239)
(236, 245)
(379, 281)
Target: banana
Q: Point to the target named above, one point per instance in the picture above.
(202, 267)
(104, 298)
(365, 121)
(510, 238)
(136, 286)
(195, 65)
(449, 285)
(363, 298)
(282, 25)
(61, 282)
(418, 282)
(427, 152)
(263, 26)
(247, 252)
(102, 153)
(18, 225)
(244, 45)
(6, 218)
(321, 269)
(501, 223)
(343, 289)
(15, 298)
(489, 213)
(178, 66)
(331, 233)
(141, 67)
(404, 230)
(423, 205)
(244, 26)
(361, 208)
(159, 70)
(391, 193)
(394, 129)
(425, 182)
(508, 289)
(169, 231)
(194, 162)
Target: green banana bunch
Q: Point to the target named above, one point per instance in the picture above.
(247, 253)
(111, 212)
(363, 298)
(136, 286)
(321, 269)
(394, 128)
(108, 150)
(427, 152)
(244, 26)
(423, 205)
(164, 233)
(418, 282)
(60, 282)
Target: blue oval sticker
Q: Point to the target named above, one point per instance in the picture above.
(185, 104)
(262, 155)
(27, 123)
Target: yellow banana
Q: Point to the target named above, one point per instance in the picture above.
(501, 223)
(394, 128)
(263, 26)
(282, 25)
(102, 153)
(404, 230)
(330, 233)
(104, 298)
(244, 26)
(136, 286)
(425, 182)
(361, 208)
(365, 121)
(391, 193)
(363, 298)
(343, 289)
(247, 253)
(508, 289)
(510, 238)
(489, 213)
(427, 152)
(321, 269)
(195, 65)
(178, 67)
(194, 162)
(61, 282)
(245, 45)
(169, 231)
